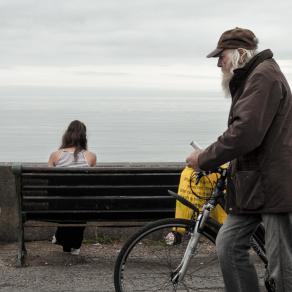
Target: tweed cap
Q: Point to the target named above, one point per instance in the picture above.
(233, 39)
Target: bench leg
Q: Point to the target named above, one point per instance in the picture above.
(21, 247)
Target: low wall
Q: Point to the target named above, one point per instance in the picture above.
(8, 204)
(9, 215)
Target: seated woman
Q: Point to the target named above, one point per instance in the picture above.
(72, 153)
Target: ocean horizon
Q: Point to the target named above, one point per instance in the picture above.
(128, 127)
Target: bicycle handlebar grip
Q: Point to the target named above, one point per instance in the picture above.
(195, 145)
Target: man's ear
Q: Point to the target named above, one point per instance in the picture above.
(242, 54)
(241, 51)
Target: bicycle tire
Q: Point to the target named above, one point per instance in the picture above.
(146, 262)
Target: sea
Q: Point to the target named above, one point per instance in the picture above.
(127, 128)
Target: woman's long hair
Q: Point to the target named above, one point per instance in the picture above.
(75, 136)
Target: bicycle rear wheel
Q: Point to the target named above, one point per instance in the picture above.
(147, 260)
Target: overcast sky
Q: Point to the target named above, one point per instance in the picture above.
(130, 44)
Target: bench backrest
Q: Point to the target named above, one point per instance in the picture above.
(96, 194)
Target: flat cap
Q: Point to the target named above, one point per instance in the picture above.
(233, 39)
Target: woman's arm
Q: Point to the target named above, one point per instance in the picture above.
(53, 158)
(90, 158)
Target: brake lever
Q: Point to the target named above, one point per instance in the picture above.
(199, 175)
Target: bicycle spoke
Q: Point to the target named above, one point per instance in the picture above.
(151, 260)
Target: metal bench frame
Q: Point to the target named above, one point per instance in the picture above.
(96, 194)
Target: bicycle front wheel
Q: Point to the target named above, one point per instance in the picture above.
(148, 260)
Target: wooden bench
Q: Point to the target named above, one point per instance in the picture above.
(120, 194)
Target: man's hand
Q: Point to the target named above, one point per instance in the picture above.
(192, 160)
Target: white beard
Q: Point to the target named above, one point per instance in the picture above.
(226, 77)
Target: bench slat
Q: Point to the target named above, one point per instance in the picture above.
(98, 211)
(44, 198)
(41, 187)
(62, 174)
(178, 167)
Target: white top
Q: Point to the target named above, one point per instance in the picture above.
(67, 160)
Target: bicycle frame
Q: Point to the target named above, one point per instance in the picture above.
(180, 272)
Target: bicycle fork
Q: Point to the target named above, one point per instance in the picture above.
(180, 271)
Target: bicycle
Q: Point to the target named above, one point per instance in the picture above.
(171, 244)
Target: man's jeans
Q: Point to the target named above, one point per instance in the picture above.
(233, 243)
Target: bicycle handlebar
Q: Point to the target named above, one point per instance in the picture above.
(220, 186)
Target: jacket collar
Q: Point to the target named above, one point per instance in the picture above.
(241, 74)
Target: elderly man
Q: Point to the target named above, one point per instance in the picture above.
(258, 145)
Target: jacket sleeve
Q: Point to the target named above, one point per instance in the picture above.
(251, 117)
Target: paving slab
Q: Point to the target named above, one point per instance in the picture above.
(49, 269)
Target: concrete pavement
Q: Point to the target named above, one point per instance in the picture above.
(49, 269)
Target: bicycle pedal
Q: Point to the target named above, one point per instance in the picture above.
(173, 238)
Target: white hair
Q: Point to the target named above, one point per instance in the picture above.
(237, 61)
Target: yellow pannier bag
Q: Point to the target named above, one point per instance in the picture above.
(203, 191)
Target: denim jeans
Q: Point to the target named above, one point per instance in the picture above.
(233, 244)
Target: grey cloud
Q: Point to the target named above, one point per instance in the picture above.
(118, 92)
(94, 73)
(74, 32)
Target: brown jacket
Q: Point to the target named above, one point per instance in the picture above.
(258, 141)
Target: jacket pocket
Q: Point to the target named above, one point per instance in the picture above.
(248, 190)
